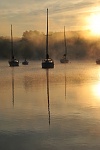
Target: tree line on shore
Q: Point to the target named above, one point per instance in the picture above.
(32, 45)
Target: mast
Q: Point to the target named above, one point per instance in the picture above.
(47, 55)
(65, 42)
(12, 53)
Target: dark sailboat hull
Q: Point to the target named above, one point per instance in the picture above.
(64, 60)
(47, 63)
(25, 62)
(13, 63)
(98, 61)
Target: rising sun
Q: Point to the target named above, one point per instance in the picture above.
(94, 23)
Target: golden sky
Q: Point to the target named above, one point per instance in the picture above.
(31, 15)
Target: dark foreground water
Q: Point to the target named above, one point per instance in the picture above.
(56, 109)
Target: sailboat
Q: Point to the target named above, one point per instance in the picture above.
(98, 61)
(13, 62)
(64, 58)
(47, 62)
(25, 62)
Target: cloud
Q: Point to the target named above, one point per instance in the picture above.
(31, 14)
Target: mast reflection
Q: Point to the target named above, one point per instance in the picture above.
(65, 81)
(47, 75)
(13, 86)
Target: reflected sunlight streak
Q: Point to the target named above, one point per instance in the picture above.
(96, 90)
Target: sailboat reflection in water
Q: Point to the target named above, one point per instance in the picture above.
(47, 75)
(65, 81)
(13, 86)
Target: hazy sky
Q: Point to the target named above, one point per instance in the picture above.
(31, 15)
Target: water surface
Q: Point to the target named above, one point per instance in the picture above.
(55, 109)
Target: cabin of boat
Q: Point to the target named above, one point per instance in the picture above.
(25, 62)
(98, 61)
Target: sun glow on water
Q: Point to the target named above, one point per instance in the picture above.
(96, 90)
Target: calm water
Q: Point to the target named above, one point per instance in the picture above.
(56, 109)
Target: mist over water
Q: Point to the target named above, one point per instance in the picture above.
(50, 109)
(32, 45)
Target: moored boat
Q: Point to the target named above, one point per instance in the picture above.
(25, 62)
(98, 61)
(64, 59)
(47, 62)
(13, 62)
